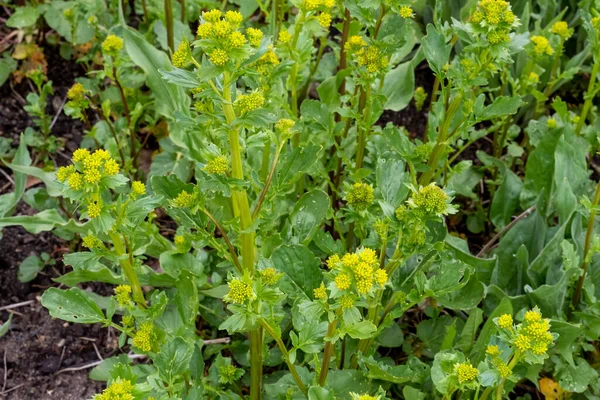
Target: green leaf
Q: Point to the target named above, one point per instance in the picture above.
(437, 52)
(174, 359)
(300, 265)
(187, 297)
(391, 179)
(23, 17)
(7, 66)
(9, 201)
(29, 268)
(506, 199)
(295, 163)
(397, 374)
(180, 77)
(5, 327)
(489, 328)
(73, 305)
(49, 178)
(502, 105)
(56, 19)
(43, 221)
(319, 393)
(399, 86)
(100, 273)
(469, 332)
(360, 330)
(308, 213)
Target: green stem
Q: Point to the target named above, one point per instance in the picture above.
(169, 25)
(586, 249)
(263, 193)
(266, 159)
(362, 135)
(128, 269)
(327, 353)
(145, 8)
(294, 70)
(234, 257)
(182, 2)
(285, 353)
(440, 144)
(486, 393)
(588, 97)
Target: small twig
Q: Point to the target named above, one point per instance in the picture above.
(16, 305)
(97, 351)
(5, 373)
(62, 357)
(10, 179)
(224, 340)
(62, 105)
(96, 363)
(11, 389)
(497, 236)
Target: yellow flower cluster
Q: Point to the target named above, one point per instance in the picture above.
(123, 294)
(266, 62)
(430, 200)
(249, 102)
(561, 28)
(120, 389)
(320, 293)
(112, 45)
(182, 55)
(127, 320)
(76, 92)
(184, 199)
(466, 373)
(493, 12)
(239, 291)
(541, 46)
(144, 336)
(254, 36)
(270, 276)
(285, 36)
(138, 188)
(551, 123)
(94, 210)
(91, 242)
(534, 78)
(364, 397)
(312, 5)
(360, 268)
(361, 196)
(493, 350)
(534, 333)
(372, 58)
(346, 302)
(324, 19)
(284, 124)
(406, 12)
(218, 165)
(179, 240)
(505, 321)
(93, 166)
(218, 57)
(223, 32)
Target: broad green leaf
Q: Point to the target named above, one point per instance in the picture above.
(553, 300)
(43, 221)
(501, 106)
(391, 179)
(397, 374)
(57, 20)
(319, 393)
(578, 377)
(174, 359)
(549, 259)
(469, 332)
(9, 201)
(399, 86)
(7, 66)
(187, 297)
(180, 77)
(29, 268)
(568, 336)
(489, 328)
(506, 199)
(360, 330)
(49, 178)
(295, 163)
(308, 213)
(437, 52)
(73, 305)
(23, 17)
(300, 265)
(100, 273)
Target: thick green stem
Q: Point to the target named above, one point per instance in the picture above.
(586, 249)
(182, 2)
(145, 9)
(285, 354)
(128, 269)
(588, 97)
(362, 134)
(327, 353)
(169, 25)
(294, 70)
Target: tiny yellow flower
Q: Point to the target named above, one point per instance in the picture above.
(184, 199)
(112, 45)
(355, 43)
(80, 155)
(534, 78)
(127, 320)
(381, 277)
(91, 241)
(270, 276)
(311, 5)
(92, 175)
(324, 19)
(249, 102)
(363, 270)
(503, 369)
(285, 36)
(221, 29)
(205, 30)
(63, 173)
(406, 12)
(551, 123)
(119, 389)
(75, 181)
(179, 240)
(342, 281)
(218, 165)
(466, 372)
(123, 294)
(182, 55)
(493, 350)
(430, 199)
(346, 302)
(111, 167)
(498, 36)
(218, 57)
(369, 256)
(361, 196)
(532, 316)
(265, 63)
(254, 36)
(505, 321)
(212, 15)
(284, 124)
(94, 210)
(401, 213)
(76, 92)
(329, 3)
(235, 18)
(364, 285)
(138, 188)
(522, 342)
(372, 59)
(239, 291)
(320, 293)
(561, 28)
(144, 336)
(237, 39)
(596, 22)
(350, 260)
(541, 46)
(333, 261)
(539, 348)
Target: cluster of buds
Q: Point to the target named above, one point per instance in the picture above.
(360, 196)
(118, 389)
(240, 291)
(531, 337)
(561, 28)
(368, 57)
(494, 19)
(145, 336)
(429, 201)
(321, 9)
(354, 275)
(112, 45)
(541, 46)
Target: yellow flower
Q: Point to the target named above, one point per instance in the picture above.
(503, 369)
(541, 46)
(361, 196)
(239, 291)
(430, 199)
(342, 281)
(505, 321)
(561, 28)
(127, 320)
(111, 167)
(381, 277)
(205, 30)
(91, 241)
(77, 92)
(539, 348)
(284, 124)
(333, 261)
(101, 155)
(596, 22)
(235, 18)
(522, 342)
(80, 155)
(466, 372)
(285, 36)
(270, 275)
(92, 175)
(184, 199)
(363, 270)
(249, 102)
(406, 12)
(138, 188)
(123, 294)
(324, 19)
(499, 36)
(346, 302)
(75, 181)
(381, 228)
(112, 45)
(63, 173)
(266, 61)
(320, 293)
(493, 350)
(254, 36)
(237, 39)
(364, 285)
(120, 389)
(534, 78)
(532, 316)
(218, 57)
(350, 260)
(182, 55)
(401, 213)
(94, 210)
(310, 5)
(551, 123)
(144, 336)
(369, 256)
(179, 240)
(372, 59)
(212, 15)
(218, 165)
(221, 29)
(355, 43)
